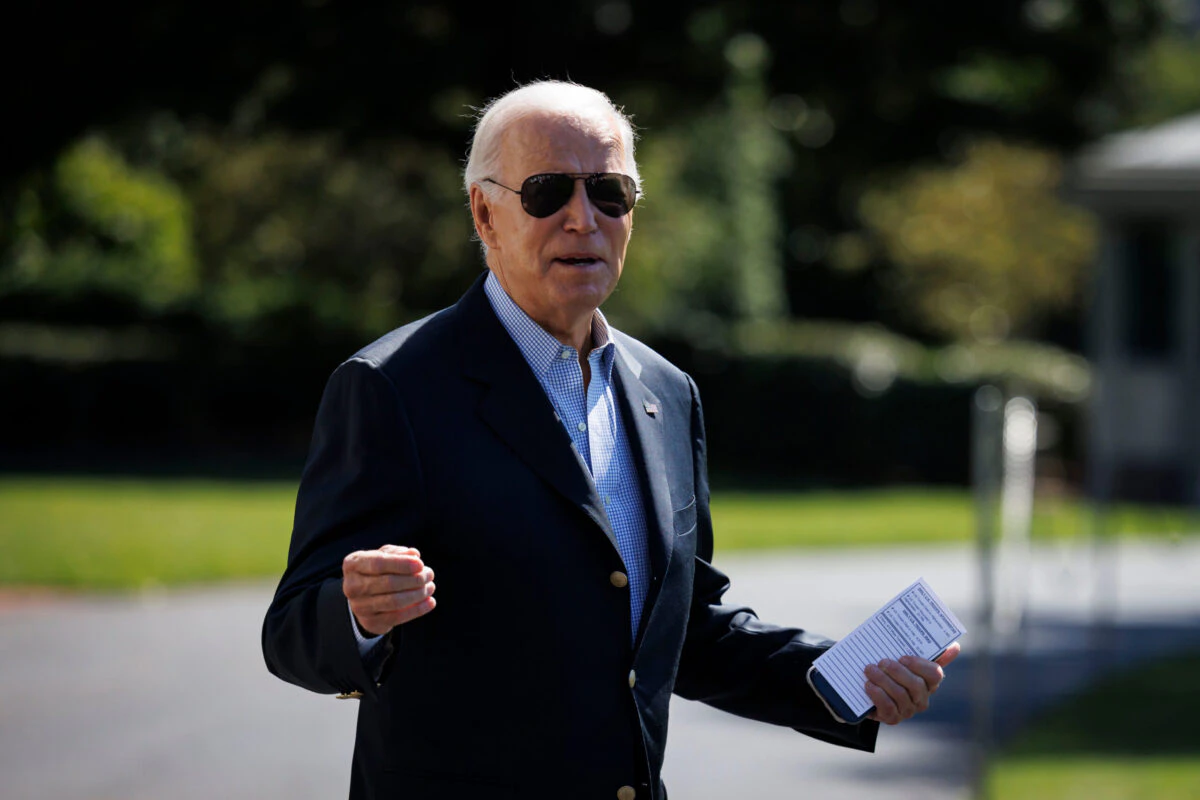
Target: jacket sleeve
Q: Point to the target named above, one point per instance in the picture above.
(733, 661)
(361, 488)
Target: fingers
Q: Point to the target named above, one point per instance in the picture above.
(951, 653)
(387, 587)
(900, 690)
(379, 624)
(376, 604)
(355, 584)
(891, 697)
(387, 560)
(928, 671)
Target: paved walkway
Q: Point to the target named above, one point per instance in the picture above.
(165, 694)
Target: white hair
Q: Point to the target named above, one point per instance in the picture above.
(558, 96)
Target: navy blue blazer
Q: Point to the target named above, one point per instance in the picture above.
(522, 682)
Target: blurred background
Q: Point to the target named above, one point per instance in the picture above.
(883, 222)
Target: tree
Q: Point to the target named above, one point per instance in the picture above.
(96, 223)
(982, 248)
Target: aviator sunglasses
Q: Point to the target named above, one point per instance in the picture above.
(612, 193)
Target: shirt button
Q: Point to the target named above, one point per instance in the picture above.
(565, 354)
(619, 580)
(626, 793)
(582, 426)
(632, 678)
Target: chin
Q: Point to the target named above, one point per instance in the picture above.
(591, 294)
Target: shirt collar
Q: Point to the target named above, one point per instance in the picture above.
(538, 347)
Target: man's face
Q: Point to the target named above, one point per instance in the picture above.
(558, 269)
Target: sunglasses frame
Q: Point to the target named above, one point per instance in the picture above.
(589, 179)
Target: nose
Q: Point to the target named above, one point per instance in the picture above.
(580, 216)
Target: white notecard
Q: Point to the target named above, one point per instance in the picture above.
(915, 622)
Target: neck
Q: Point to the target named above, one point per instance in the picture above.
(580, 337)
(574, 332)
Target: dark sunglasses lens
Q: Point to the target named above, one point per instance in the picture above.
(612, 194)
(542, 195)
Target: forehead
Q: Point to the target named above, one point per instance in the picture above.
(547, 141)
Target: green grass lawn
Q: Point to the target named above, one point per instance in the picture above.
(100, 533)
(908, 516)
(119, 533)
(1131, 737)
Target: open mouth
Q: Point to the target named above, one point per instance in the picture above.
(578, 261)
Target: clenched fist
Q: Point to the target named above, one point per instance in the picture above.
(387, 587)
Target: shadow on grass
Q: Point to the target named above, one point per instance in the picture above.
(1120, 689)
(1145, 710)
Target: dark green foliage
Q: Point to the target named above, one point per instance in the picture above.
(203, 208)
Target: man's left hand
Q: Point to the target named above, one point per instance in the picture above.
(902, 688)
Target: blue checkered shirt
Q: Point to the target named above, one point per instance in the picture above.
(594, 424)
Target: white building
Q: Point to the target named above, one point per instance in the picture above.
(1144, 335)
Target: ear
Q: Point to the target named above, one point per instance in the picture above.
(482, 213)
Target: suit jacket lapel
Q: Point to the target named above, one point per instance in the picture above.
(515, 406)
(645, 430)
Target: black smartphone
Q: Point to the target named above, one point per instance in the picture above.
(833, 701)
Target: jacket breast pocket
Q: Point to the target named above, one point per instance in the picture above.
(685, 518)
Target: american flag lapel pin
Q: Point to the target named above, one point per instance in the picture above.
(651, 408)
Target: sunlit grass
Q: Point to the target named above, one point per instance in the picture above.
(119, 533)
(912, 516)
(103, 533)
(840, 519)
(1099, 778)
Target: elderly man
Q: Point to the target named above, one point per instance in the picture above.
(552, 471)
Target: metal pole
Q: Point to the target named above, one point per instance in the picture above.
(986, 424)
(1016, 517)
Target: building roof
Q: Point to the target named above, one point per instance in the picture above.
(1159, 165)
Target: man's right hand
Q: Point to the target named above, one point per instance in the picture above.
(387, 587)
